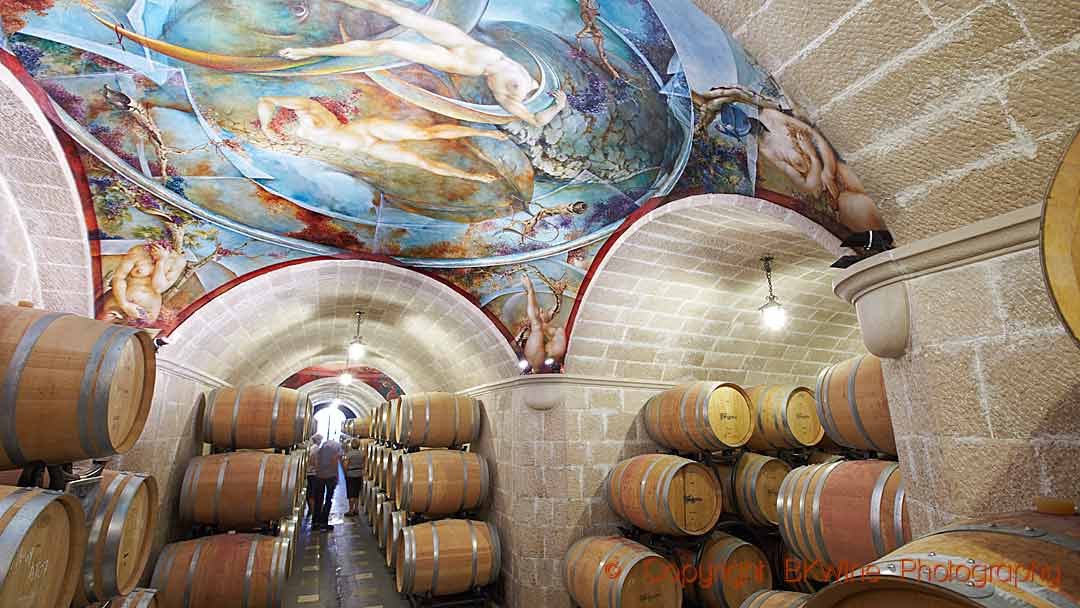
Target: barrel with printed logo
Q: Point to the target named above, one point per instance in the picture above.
(614, 572)
(1022, 559)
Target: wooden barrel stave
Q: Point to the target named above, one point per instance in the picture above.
(785, 417)
(751, 486)
(437, 420)
(239, 490)
(398, 521)
(614, 572)
(256, 417)
(853, 407)
(42, 547)
(120, 523)
(700, 417)
(845, 513)
(469, 555)
(93, 381)
(776, 599)
(646, 490)
(723, 571)
(1050, 543)
(441, 482)
(383, 520)
(224, 571)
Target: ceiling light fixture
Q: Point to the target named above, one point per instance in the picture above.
(356, 348)
(773, 315)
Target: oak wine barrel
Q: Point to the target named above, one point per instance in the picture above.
(723, 571)
(785, 417)
(138, 598)
(91, 381)
(438, 420)
(665, 494)
(393, 411)
(393, 469)
(121, 527)
(365, 487)
(846, 513)
(381, 423)
(447, 557)
(614, 572)
(700, 417)
(382, 522)
(256, 417)
(441, 482)
(777, 599)
(223, 571)
(393, 429)
(42, 546)
(360, 428)
(1012, 559)
(398, 521)
(750, 487)
(376, 514)
(239, 490)
(1060, 240)
(853, 407)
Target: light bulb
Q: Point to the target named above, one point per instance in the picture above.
(549, 361)
(773, 316)
(345, 379)
(356, 350)
(523, 364)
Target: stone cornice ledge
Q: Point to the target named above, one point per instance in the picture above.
(876, 285)
(545, 391)
(180, 370)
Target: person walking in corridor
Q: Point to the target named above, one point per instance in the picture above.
(327, 464)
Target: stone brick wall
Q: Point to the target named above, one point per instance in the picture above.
(985, 402)
(427, 336)
(950, 111)
(44, 257)
(548, 467)
(169, 440)
(677, 298)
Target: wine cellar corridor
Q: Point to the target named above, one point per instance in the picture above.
(549, 304)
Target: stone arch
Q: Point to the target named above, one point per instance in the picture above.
(676, 297)
(422, 331)
(46, 253)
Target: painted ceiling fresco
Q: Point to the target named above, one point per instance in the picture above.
(494, 144)
(375, 378)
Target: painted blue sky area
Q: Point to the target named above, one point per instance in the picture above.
(706, 57)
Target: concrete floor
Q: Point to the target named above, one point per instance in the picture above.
(341, 569)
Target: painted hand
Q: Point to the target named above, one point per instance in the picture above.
(296, 54)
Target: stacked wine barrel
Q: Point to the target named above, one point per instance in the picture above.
(74, 389)
(245, 501)
(420, 484)
(803, 473)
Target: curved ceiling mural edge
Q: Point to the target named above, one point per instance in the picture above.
(494, 144)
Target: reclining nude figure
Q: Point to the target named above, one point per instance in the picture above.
(452, 51)
(375, 137)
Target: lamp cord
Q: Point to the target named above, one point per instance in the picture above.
(767, 262)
